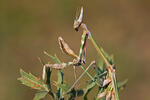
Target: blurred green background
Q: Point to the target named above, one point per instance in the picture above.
(28, 27)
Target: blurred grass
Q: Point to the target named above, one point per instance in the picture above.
(27, 28)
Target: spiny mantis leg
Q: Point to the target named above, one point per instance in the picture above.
(84, 55)
(55, 66)
(93, 62)
(82, 48)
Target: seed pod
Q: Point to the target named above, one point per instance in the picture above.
(65, 48)
(106, 81)
(113, 95)
(44, 71)
(108, 96)
(101, 95)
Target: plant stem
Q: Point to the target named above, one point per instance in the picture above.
(108, 65)
(89, 75)
(79, 23)
(115, 86)
(99, 50)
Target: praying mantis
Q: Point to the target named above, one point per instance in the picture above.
(77, 61)
(105, 77)
(67, 50)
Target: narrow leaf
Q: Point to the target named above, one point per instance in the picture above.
(41, 61)
(32, 81)
(60, 81)
(60, 73)
(122, 84)
(100, 63)
(109, 58)
(40, 95)
(54, 58)
(64, 87)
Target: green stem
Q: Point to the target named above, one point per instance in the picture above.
(115, 86)
(107, 64)
(88, 74)
(99, 50)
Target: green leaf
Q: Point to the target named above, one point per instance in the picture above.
(100, 63)
(60, 75)
(122, 84)
(32, 81)
(109, 58)
(54, 58)
(41, 61)
(40, 95)
(112, 59)
(60, 80)
(89, 87)
(57, 59)
(48, 79)
(64, 87)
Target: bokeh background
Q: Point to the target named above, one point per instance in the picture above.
(28, 27)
